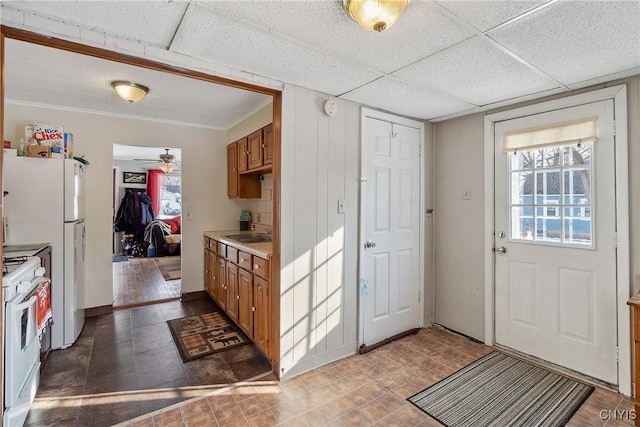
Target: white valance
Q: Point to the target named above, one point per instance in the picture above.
(566, 133)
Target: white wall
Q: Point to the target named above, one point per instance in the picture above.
(459, 224)
(256, 121)
(318, 283)
(204, 183)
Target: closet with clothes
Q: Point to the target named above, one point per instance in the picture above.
(134, 213)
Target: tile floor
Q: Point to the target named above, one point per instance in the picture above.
(125, 364)
(361, 390)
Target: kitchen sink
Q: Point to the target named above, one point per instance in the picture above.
(251, 238)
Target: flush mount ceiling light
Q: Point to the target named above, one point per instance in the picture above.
(129, 91)
(375, 15)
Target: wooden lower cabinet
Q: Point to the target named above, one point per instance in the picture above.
(239, 283)
(220, 282)
(245, 299)
(634, 302)
(261, 314)
(232, 292)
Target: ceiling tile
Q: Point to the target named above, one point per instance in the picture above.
(206, 35)
(477, 72)
(484, 15)
(574, 41)
(153, 22)
(325, 27)
(401, 98)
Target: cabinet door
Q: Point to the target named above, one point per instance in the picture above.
(243, 155)
(232, 292)
(213, 275)
(255, 149)
(207, 269)
(232, 171)
(245, 303)
(261, 314)
(221, 283)
(267, 145)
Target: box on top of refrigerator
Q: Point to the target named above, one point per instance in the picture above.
(48, 134)
(52, 136)
(68, 145)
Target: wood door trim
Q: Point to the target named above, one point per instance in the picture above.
(31, 37)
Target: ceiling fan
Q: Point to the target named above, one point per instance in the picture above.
(167, 162)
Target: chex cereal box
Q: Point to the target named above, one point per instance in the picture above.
(48, 135)
(52, 136)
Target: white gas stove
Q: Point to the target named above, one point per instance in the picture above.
(25, 291)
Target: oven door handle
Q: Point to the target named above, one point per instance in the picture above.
(23, 306)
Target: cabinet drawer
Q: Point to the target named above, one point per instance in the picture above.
(244, 260)
(222, 249)
(232, 254)
(261, 267)
(207, 242)
(213, 245)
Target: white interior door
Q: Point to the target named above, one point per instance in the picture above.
(390, 230)
(555, 262)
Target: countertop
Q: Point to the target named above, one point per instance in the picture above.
(16, 250)
(634, 301)
(263, 250)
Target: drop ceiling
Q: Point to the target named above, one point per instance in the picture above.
(442, 59)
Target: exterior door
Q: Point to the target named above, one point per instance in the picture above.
(555, 238)
(390, 251)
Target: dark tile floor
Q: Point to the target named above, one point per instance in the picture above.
(125, 364)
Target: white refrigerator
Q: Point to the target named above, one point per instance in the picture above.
(43, 202)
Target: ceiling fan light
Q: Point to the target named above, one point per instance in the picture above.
(375, 15)
(129, 91)
(166, 167)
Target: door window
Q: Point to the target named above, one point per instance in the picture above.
(551, 195)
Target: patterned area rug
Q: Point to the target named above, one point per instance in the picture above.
(198, 336)
(169, 267)
(500, 390)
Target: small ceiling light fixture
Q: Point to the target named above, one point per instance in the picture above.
(375, 15)
(166, 167)
(129, 91)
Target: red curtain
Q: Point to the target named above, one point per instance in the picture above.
(155, 184)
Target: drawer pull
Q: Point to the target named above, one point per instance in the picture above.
(253, 309)
(256, 266)
(237, 296)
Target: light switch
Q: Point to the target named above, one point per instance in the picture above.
(340, 206)
(466, 194)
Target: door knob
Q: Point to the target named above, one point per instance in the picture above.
(501, 250)
(369, 244)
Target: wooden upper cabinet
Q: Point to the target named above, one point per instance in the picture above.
(255, 149)
(244, 186)
(267, 145)
(243, 154)
(232, 170)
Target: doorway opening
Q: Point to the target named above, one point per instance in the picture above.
(147, 225)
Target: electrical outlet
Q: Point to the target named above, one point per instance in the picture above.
(340, 206)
